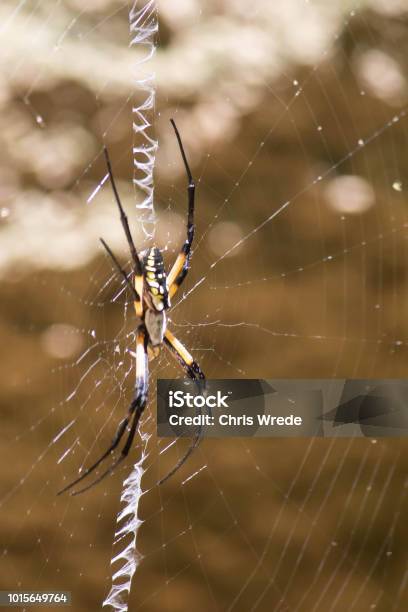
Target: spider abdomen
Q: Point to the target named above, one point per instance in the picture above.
(156, 325)
(156, 279)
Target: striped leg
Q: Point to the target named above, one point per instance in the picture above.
(184, 358)
(180, 267)
(193, 370)
(135, 411)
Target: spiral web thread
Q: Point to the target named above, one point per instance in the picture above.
(143, 28)
(127, 527)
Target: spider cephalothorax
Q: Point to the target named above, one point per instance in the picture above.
(151, 289)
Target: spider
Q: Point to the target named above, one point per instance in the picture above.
(152, 290)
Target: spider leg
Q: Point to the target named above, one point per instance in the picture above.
(193, 370)
(121, 270)
(135, 410)
(180, 267)
(121, 457)
(125, 224)
(185, 359)
(195, 442)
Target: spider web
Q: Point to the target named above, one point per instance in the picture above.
(294, 118)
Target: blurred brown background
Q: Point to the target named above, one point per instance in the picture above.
(277, 102)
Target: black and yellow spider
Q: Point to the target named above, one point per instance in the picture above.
(152, 290)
